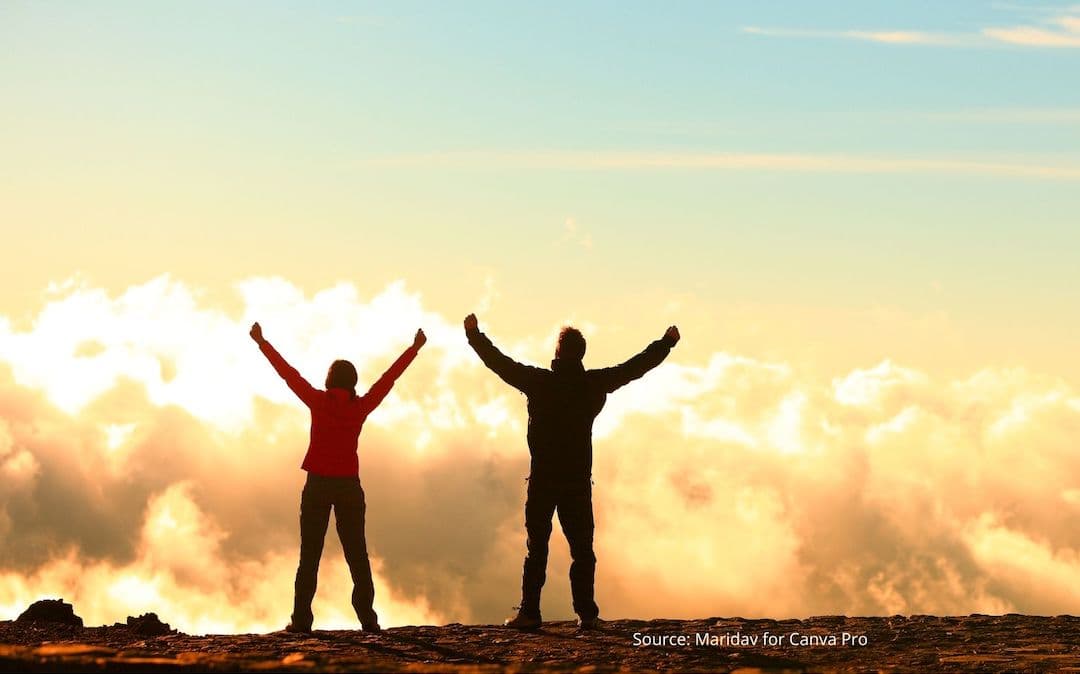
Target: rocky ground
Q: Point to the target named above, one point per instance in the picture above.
(1011, 643)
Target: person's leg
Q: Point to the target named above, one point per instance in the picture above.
(314, 518)
(539, 508)
(349, 512)
(576, 518)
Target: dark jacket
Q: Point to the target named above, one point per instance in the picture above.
(563, 402)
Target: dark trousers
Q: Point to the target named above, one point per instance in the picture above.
(346, 497)
(573, 501)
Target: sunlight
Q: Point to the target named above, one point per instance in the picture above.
(784, 431)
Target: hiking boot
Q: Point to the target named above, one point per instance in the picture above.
(374, 628)
(592, 623)
(298, 629)
(524, 621)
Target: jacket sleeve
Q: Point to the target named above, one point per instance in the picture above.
(380, 389)
(303, 390)
(509, 370)
(617, 376)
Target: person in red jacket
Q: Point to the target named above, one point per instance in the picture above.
(333, 481)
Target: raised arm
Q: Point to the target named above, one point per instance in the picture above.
(381, 388)
(622, 374)
(509, 370)
(303, 390)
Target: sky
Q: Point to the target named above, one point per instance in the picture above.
(861, 215)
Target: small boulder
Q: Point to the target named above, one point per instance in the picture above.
(51, 611)
(148, 625)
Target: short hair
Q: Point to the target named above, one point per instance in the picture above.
(341, 374)
(571, 345)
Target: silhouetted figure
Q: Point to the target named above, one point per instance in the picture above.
(563, 402)
(337, 415)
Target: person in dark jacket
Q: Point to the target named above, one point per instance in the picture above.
(562, 404)
(333, 481)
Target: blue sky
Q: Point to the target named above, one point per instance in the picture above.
(918, 156)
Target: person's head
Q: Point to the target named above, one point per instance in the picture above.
(571, 345)
(341, 375)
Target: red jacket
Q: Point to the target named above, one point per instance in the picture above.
(336, 415)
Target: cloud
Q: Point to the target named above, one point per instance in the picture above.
(882, 36)
(728, 161)
(180, 572)
(1062, 31)
(1058, 30)
(726, 486)
(1011, 115)
(575, 235)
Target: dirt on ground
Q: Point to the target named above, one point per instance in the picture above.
(977, 643)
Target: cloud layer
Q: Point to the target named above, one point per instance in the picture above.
(1060, 29)
(728, 161)
(150, 455)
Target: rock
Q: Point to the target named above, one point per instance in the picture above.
(51, 611)
(72, 650)
(148, 625)
(962, 645)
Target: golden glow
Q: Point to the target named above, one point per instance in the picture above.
(724, 483)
